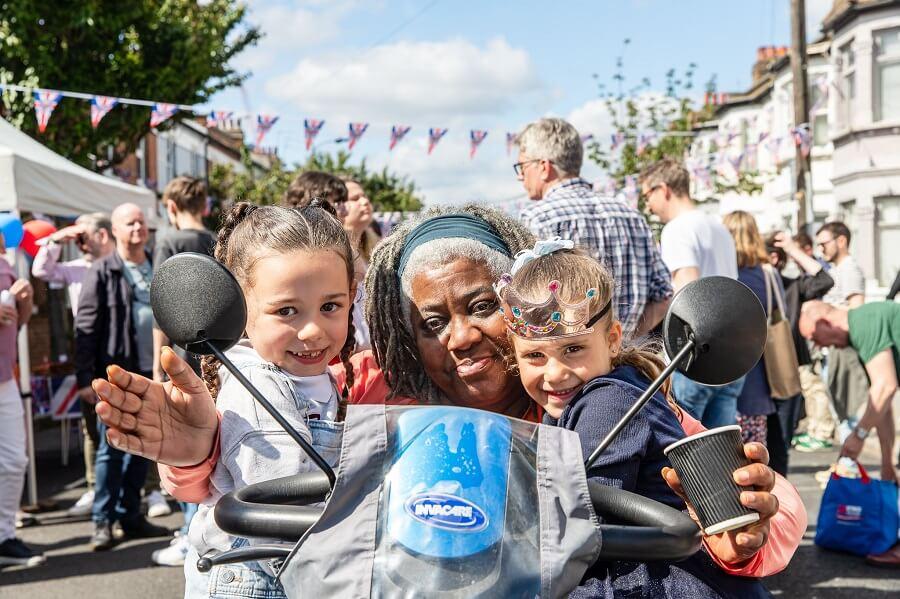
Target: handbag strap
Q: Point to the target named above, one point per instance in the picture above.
(863, 475)
(768, 294)
(772, 284)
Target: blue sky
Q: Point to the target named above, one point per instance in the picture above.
(489, 65)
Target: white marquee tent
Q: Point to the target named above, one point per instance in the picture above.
(34, 178)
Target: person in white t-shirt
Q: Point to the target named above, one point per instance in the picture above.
(693, 245)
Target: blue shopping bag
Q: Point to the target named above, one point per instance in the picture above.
(858, 515)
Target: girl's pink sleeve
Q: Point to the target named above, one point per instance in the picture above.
(786, 527)
(191, 484)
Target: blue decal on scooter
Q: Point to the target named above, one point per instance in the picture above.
(446, 511)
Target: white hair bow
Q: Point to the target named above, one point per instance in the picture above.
(541, 248)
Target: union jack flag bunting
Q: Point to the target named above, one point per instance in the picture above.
(701, 175)
(356, 131)
(434, 136)
(773, 145)
(511, 139)
(475, 138)
(312, 128)
(587, 137)
(264, 122)
(645, 140)
(618, 138)
(610, 188)
(100, 107)
(736, 162)
(217, 117)
(802, 138)
(161, 113)
(398, 132)
(822, 86)
(45, 103)
(631, 191)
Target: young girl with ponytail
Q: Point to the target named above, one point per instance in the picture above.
(295, 267)
(559, 308)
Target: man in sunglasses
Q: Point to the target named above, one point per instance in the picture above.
(549, 163)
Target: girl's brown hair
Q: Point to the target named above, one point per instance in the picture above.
(249, 232)
(578, 272)
(751, 249)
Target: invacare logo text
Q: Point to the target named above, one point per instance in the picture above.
(448, 512)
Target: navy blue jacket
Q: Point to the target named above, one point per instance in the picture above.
(633, 462)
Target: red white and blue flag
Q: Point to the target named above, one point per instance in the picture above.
(645, 140)
(64, 398)
(476, 136)
(434, 136)
(45, 102)
(161, 113)
(587, 137)
(264, 122)
(737, 161)
(100, 107)
(511, 139)
(398, 132)
(356, 131)
(217, 117)
(631, 190)
(618, 138)
(802, 138)
(312, 128)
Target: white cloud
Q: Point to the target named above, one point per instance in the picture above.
(291, 27)
(423, 80)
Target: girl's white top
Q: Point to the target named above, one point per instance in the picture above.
(254, 447)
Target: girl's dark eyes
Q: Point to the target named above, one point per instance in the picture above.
(574, 349)
(535, 355)
(287, 311)
(329, 307)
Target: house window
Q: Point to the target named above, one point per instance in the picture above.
(887, 238)
(818, 104)
(847, 70)
(887, 75)
(848, 217)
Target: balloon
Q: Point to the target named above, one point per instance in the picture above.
(12, 230)
(34, 231)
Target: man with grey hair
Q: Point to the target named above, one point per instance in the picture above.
(92, 233)
(549, 163)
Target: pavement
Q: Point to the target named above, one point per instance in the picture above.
(73, 571)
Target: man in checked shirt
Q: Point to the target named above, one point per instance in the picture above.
(566, 206)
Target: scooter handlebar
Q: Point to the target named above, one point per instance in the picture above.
(654, 531)
(280, 509)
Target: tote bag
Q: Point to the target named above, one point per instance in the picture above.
(858, 515)
(780, 355)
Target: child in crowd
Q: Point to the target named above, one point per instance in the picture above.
(558, 306)
(298, 320)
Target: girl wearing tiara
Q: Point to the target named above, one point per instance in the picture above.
(558, 305)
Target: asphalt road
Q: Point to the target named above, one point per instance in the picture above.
(72, 571)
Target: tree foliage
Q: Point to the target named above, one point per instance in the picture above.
(671, 114)
(174, 51)
(387, 191)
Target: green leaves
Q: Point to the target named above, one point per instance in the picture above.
(174, 51)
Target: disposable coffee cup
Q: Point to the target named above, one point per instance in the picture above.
(705, 463)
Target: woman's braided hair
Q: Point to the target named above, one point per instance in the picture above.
(393, 342)
(249, 232)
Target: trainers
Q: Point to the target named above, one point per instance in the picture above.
(174, 554)
(801, 438)
(83, 506)
(14, 552)
(157, 506)
(140, 528)
(811, 444)
(102, 539)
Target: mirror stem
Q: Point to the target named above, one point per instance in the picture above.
(312, 453)
(643, 399)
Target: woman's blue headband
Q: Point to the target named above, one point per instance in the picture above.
(451, 226)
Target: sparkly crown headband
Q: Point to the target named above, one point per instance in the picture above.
(551, 318)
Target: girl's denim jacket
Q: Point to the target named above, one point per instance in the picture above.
(254, 449)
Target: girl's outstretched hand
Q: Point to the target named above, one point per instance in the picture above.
(173, 423)
(739, 545)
